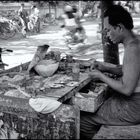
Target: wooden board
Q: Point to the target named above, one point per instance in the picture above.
(67, 92)
(64, 123)
(92, 101)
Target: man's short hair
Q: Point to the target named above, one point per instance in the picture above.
(117, 14)
(74, 8)
(22, 4)
(34, 6)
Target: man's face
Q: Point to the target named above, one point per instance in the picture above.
(112, 32)
(22, 6)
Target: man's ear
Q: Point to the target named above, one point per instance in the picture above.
(120, 27)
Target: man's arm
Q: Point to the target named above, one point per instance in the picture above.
(131, 73)
(108, 67)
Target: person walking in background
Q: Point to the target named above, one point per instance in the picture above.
(77, 15)
(80, 33)
(34, 22)
(23, 15)
(69, 24)
(69, 21)
(75, 32)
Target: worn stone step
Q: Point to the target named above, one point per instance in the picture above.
(118, 132)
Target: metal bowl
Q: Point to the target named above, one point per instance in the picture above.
(46, 69)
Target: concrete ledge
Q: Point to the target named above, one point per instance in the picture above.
(118, 132)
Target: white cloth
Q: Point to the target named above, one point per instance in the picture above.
(70, 22)
(36, 12)
(44, 105)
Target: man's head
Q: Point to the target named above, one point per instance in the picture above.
(22, 5)
(68, 8)
(116, 21)
(33, 7)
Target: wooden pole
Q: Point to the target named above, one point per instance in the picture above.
(110, 50)
(55, 6)
(49, 9)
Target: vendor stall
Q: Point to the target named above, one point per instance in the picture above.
(34, 106)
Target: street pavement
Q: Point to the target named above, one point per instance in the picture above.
(24, 48)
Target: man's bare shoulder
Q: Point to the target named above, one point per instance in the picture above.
(135, 43)
(133, 49)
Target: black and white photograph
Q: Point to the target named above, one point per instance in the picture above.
(69, 69)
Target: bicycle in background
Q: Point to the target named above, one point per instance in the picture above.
(2, 64)
(8, 28)
(34, 24)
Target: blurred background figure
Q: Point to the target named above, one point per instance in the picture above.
(34, 20)
(75, 32)
(69, 21)
(35, 12)
(77, 15)
(23, 16)
(80, 35)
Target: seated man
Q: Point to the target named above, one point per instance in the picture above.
(123, 105)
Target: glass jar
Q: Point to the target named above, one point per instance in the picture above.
(76, 71)
(57, 55)
(69, 58)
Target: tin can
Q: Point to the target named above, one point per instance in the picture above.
(69, 58)
(57, 55)
(69, 68)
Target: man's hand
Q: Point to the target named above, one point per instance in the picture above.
(98, 65)
(95, 75)
(107, 67)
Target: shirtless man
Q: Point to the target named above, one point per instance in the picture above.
(123, 105)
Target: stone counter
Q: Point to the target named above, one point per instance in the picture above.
(18, 118)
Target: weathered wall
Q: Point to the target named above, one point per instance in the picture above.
(19, 120)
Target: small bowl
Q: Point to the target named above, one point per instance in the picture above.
(46, 70)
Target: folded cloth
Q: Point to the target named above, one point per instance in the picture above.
(44, 105)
